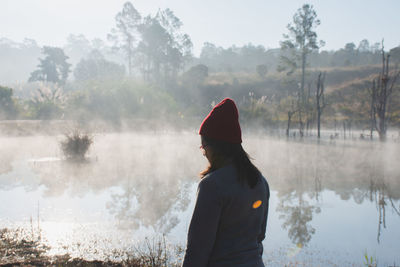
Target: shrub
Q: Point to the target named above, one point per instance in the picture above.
(76, 145)
(7, 106)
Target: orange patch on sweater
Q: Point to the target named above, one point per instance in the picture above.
(257, 204)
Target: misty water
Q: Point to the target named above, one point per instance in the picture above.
(330, 203)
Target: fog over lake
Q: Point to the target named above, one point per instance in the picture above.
(330, 202)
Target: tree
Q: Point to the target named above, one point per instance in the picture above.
(262, 70)
(363, 46)
(298, 44)
(163, 49)
(195, 75)
(209, 53)
(95, 66)
(288, 104)
(381, 90)
(152, 48)
(77, 47)
(124, 36)
(350, 54)
(395, 54)
(179, 49)
(53, 68)
(320, 97)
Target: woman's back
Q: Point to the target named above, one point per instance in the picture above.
(230, 217)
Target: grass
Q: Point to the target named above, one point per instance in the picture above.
(19, 247)
(369, 261)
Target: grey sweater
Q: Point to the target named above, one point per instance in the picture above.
(228, 224)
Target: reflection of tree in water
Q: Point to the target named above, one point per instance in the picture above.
(150, 202)
(297, 217)
(5, 164)
(303, 174)
(76, 178)
(380, 193)
(7, 155)
(152, 185)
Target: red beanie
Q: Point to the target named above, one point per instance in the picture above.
(222, 123)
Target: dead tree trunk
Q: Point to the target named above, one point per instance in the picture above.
(289, 114)
(309, 110)
(300, 109)
(382, 88)
(344, 129)
(320, 100)
(372, 111)
(292, 109)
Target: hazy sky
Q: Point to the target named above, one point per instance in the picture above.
(223, 22)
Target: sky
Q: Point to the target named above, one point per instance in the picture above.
(222, 22)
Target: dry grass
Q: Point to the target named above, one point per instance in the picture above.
(19, 247)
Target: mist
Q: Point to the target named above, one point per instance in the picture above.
(143, 184)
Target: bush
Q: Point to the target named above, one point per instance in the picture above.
(7, 106)
(76, 145)
(114, 100)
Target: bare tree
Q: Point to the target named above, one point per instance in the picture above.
(309, 111)
(289, 105)
(320, 97)
(382, 88)
(290, 114)
(372, 111)
(300, 41)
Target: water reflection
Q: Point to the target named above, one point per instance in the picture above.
(380, 193)
(297, 215)
(147, 187)
(301, 172)
(149, 180)
(150, 203)
(5, 163)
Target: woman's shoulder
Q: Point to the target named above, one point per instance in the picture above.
(220, 177)
(226, 171)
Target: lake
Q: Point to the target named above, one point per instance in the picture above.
(330, 202)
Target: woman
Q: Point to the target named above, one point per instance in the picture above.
(230, 215)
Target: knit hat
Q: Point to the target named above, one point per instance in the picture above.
(222, 123)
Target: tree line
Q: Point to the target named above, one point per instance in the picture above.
(153, 51)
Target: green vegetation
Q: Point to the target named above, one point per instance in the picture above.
(115, 100)
(53, 68)
(369, 260)
(165, 83)
(263, 101)
(96, 67)
(7, 105)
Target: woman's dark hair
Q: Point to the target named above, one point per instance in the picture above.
(223, 152)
